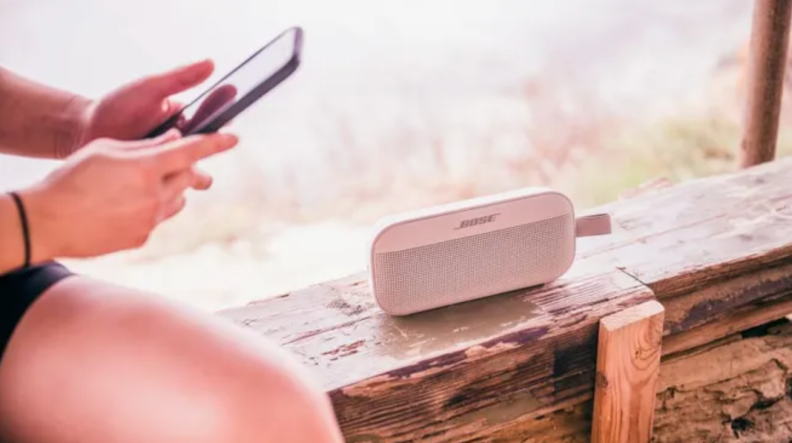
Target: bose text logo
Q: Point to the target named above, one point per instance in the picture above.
(477, 221)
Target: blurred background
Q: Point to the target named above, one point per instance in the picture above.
(397, 106)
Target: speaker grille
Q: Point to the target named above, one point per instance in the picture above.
(464, 269)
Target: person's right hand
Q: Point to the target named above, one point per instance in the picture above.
(110, 195)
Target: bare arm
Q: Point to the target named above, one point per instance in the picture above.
(37, 120)
(76, 210)
(108, 200)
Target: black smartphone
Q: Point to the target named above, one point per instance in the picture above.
(228, 97)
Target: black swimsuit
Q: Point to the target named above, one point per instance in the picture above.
(19, 289)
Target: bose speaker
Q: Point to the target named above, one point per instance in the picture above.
(475, 248)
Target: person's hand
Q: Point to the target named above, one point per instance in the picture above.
(110, 195)
(133, 110)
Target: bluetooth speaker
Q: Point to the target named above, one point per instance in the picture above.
(475, 248)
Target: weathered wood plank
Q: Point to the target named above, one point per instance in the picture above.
(746, 317)
(723, 297)
(737, 392)
(569, 425)
(715, 243)
(628, 365)
(453, 372)
(572, 425)
(706, 248)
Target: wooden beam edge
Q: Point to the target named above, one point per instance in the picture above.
(628, 369)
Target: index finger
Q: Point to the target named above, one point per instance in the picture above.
(217, 99)
(183, 153)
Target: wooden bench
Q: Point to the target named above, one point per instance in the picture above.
(716, 253)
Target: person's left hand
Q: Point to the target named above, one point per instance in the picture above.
(133, 110)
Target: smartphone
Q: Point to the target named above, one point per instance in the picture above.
(236, 91)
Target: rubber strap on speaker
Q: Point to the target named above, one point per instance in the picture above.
(591, 225)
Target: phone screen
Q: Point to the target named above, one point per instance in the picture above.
(266, 63)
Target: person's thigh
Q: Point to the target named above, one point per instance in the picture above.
(94, 362)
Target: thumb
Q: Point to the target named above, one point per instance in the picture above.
(177, 80)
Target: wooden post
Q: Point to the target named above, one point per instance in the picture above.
(768, 57)
(628, 368)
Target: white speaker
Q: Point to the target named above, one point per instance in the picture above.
(466, 250)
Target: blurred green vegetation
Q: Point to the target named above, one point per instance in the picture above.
(678, 149)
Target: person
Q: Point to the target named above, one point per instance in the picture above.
(90, 361)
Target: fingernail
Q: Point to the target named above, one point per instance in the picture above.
(206, 64)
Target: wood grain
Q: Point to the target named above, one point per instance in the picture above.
(746, 317)
(746, 398)
(768, 59)
(740, 391)
(446, 375)
(706, 249)
(688, 236)
(628, 366)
